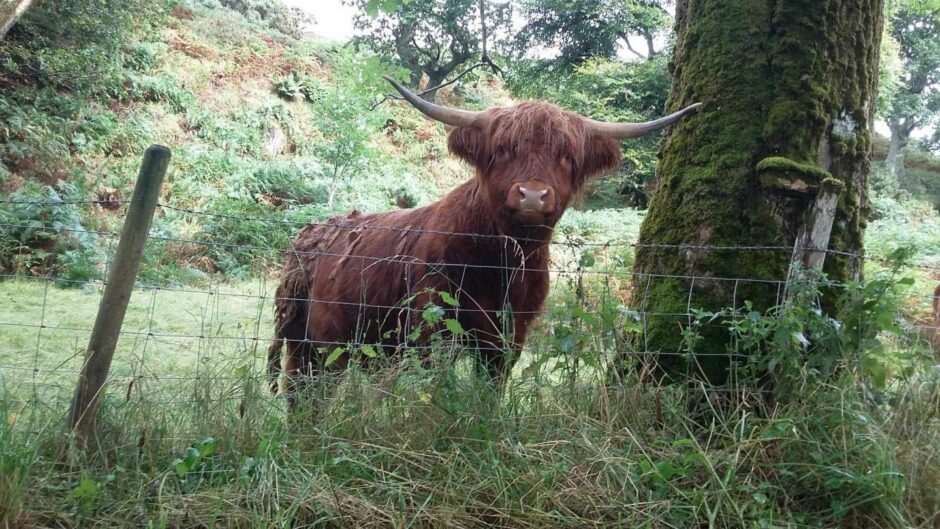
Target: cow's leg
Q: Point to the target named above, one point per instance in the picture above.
(311, 387)
(499, 352)
(300, 367)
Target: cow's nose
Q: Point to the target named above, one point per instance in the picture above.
(532, 198)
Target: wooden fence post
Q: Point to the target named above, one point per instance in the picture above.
(812, 242)
(117, 292)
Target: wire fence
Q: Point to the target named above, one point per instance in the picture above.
(185, 343)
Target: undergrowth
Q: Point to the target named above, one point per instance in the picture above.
(844, 433)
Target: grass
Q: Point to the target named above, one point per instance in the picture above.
(189, 435)
(167, 331)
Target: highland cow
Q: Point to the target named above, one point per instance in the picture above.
(481, 252)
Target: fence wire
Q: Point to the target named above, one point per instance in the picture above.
(208, 340)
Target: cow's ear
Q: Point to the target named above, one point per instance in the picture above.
(467, 143)
(601, 154)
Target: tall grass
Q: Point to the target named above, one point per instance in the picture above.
(409, 445)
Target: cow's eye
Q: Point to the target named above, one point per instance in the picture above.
(502, 151)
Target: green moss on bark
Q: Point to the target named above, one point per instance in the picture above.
(789, 82)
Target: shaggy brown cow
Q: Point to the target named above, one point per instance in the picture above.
(364, 279)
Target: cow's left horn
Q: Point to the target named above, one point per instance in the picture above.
(450, 116)
(622, 131)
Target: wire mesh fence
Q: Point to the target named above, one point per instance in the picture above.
(207, 340)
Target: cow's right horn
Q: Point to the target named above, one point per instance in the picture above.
(623, 131)
(450, 116)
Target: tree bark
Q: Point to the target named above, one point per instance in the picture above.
(788, 88)
(900, 137)
(10, 12)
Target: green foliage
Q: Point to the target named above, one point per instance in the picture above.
(47, 240)
(912, 100)
(77, 45)
(432, 39)
(903, 222)
(345, 153)
(161, 88)
(290, 21)
(296, 85)
(799, 343)
(194, 457)
(916, 28)
(145, 56)
(246, 236)
(32, 136)
(589, 29)
(373, 7)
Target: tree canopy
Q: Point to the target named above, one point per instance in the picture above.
(429, 38)
(584, 29)
(915, 100)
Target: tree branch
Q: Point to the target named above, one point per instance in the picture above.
(387, 97)
(626, 40)
(484, 61)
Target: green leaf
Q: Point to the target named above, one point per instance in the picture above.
(206, 447)
(369, 351)
(585, 316)
(454, 326)
(447, 298)
(180, 467)
(372, 7)
(334, 356)
(86, 488)
(432, 313)
(587, 260)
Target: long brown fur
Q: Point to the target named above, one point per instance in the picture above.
(347, 279)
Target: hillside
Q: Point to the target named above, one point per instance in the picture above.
(261, 124)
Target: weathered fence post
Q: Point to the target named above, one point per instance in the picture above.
(117, 292)
(812, 241)
(811, 245)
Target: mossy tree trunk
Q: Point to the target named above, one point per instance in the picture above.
(788, 88)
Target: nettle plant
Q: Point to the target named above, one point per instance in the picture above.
(822, 330)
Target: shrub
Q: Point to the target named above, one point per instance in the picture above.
(161, 88)
(273, 13)
(144, 56)
(246, 236)
(295, 85)
(77, 45)
(286, 184)
(50, 240)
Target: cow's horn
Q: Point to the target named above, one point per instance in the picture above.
(622, 131)
(450, 116)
